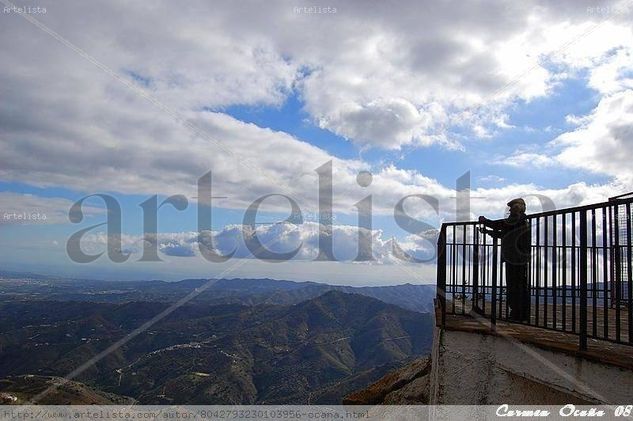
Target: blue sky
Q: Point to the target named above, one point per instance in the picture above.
(530, 106)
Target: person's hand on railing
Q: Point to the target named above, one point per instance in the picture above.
(492, 233)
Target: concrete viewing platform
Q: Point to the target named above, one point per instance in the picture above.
(516, 363)
(546, 337)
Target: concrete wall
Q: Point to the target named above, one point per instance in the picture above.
(478, 369)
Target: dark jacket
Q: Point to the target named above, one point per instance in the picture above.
(515, 238)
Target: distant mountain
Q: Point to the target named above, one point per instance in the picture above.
(223, 291)
(314, 351)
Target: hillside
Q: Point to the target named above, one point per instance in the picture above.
(315, 351)
(18, 390)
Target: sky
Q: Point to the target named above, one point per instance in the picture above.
(515, 99)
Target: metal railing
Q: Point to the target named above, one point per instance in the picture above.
(578, 272)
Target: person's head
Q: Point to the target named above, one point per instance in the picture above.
(516, 206)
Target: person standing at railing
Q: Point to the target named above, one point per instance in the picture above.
(514, 232)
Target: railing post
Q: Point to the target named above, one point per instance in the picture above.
(475, 305)
(618, 270)
(441, 273)
(582, 279)
(495, 272)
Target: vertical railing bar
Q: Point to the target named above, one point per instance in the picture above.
(583, 280)
(475, 298)
(538, 268)
(629, 273)
(531, 276)
(618, 270)
(453, 270)
(545, 271)
(441, 272)
(594, 276)
(564, 273)
(484, 272)
(605, 274)
(449, 258)
(573, 272)
(464, 259)
(554, 268)
(501, 291)
(611, 257)
(493, 315)
(491, 272)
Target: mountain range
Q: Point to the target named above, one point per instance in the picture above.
(237, 342)
(210, 291)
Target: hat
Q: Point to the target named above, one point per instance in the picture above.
(515, 201)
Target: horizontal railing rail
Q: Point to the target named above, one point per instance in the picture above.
(579, 272)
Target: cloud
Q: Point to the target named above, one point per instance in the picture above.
(277, 238)
(529, 160)
(371, 76)
(386, 123)
(601, 143)
(284, 237)
(382, 72)
(604, 142)
(175, 249)
(603, 51)
(491, 178)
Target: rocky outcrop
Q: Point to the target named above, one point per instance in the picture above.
(408, 385)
